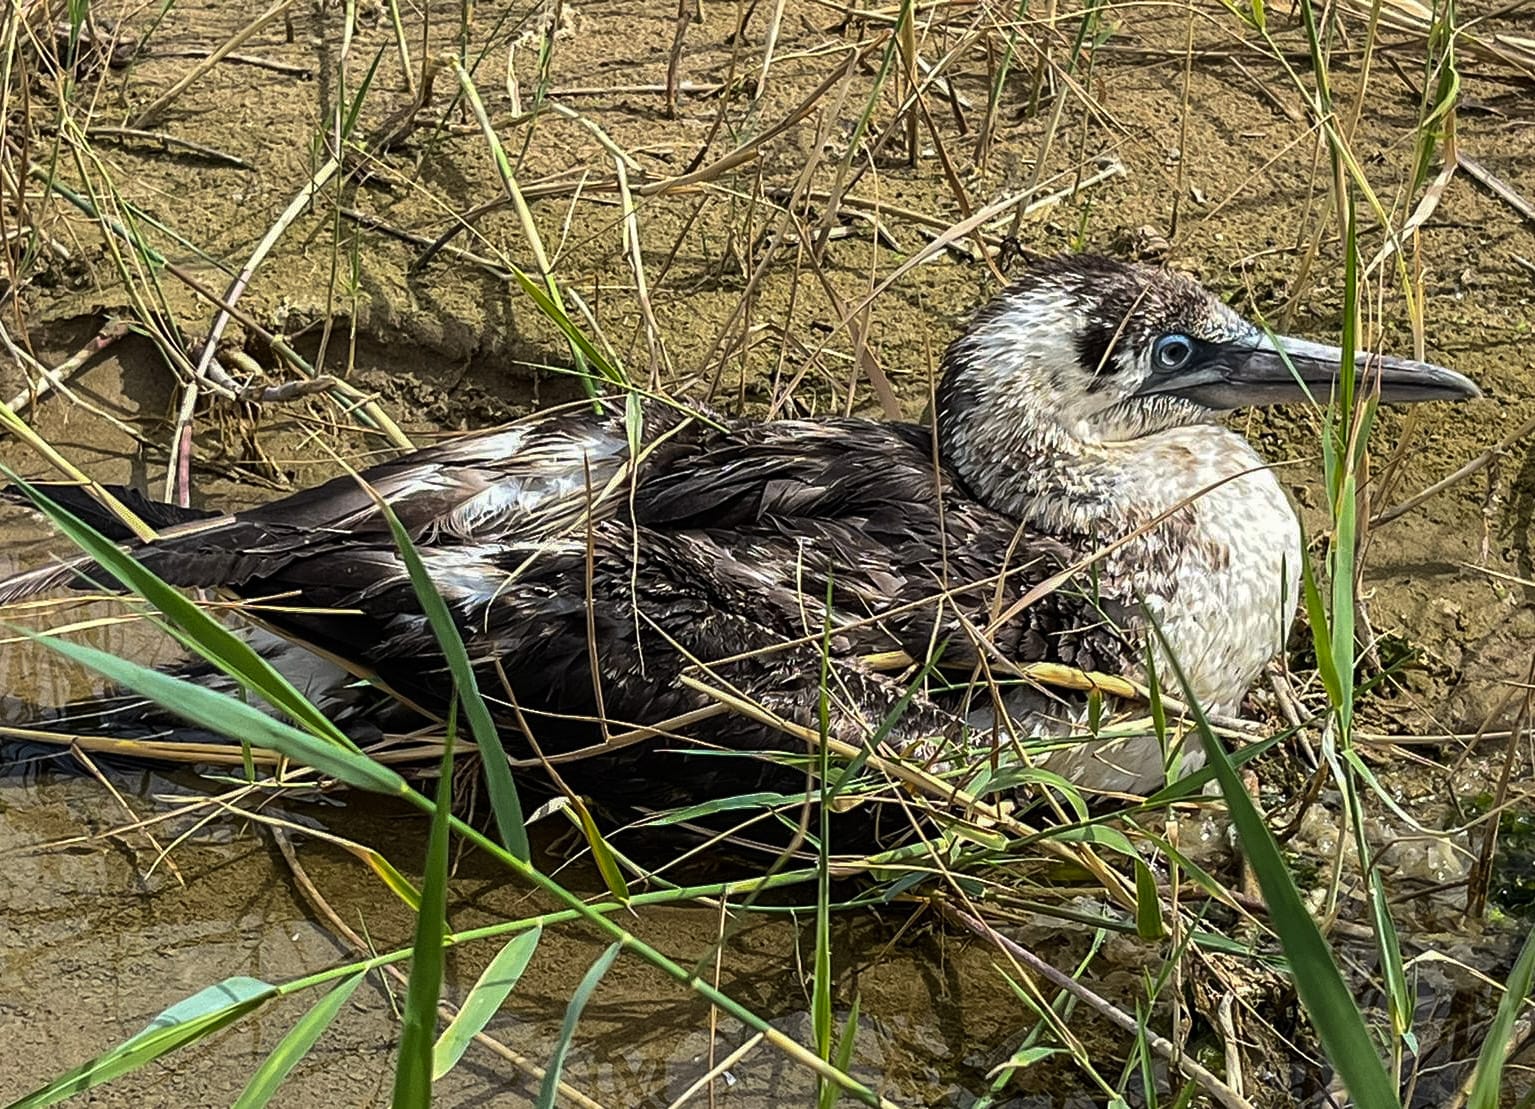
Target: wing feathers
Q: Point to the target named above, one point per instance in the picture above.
(710, 545)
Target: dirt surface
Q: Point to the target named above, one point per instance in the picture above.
(1221, 173)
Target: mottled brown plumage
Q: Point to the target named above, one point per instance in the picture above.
(721, 541)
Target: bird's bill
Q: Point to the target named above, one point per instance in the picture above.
(1280, 370)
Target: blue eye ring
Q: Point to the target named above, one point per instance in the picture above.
(1172, 351)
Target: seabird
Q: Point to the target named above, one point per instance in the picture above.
(1076, 478)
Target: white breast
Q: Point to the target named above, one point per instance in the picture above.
(1221, 578)
(1235, 588)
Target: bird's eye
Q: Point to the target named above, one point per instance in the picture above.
(1172, 352)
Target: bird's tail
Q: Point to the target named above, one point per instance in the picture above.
(78, 501)
(332, 687)
(121, 723)
(111, 727)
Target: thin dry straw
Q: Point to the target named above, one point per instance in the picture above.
(924, 783)
(367, 407)
(1164, 1047)
(151, 113)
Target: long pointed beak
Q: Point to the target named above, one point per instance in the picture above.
(1280, 370)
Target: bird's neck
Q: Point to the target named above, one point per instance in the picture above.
(1069, 480)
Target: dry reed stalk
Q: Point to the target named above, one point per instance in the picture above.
(687, 11)
(369, 408)
(866, 360)
(1497, 186)
(1164, 1047)
(716, 1069)
(178, 477)
(238, 39)
(840, 78)
(1513, 51)
(54, 378)
(168, 142)
(287, 68)
(1479, 880)
(1109, 168)
(122, 803)
(659, 359)
(1480, 462)
(775, 23)
(925, 785)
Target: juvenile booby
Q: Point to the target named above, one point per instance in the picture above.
(591, 563)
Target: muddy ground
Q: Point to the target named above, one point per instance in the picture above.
(1220, 176)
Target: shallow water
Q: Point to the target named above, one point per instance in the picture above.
(105, 933)
(106, 927)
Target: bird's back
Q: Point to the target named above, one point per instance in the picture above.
(591, 559)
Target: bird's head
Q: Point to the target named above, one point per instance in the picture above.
(1089, 350)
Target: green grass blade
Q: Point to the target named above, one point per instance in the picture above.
(354, 109)
(820, 1002)
(200, 632)
(485, 997)
(602, 851)
(228, 716)
(1343, 601)
(634, 423)
(1330, 456)
(821, 1008)
(393, 880)
(763, 800)
(413, 1070)
(1400, 998)
(185, 1022)
(1350, 336)
(1321, 636)
(1102, 835)
(1016, 778)
(1148, 904)
(555, 313)
(504, 801)
(550, 303)
(1023, 1058)
(1154, 699)
(578, 1000)
(1326, 997)
(295, 1045)
(1351, 446)
(844, 1056)
(887, 725)
(1488, 1080)
(1193, 782)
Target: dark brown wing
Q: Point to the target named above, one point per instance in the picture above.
(709, 552)
(731, 548)
(526, 480)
